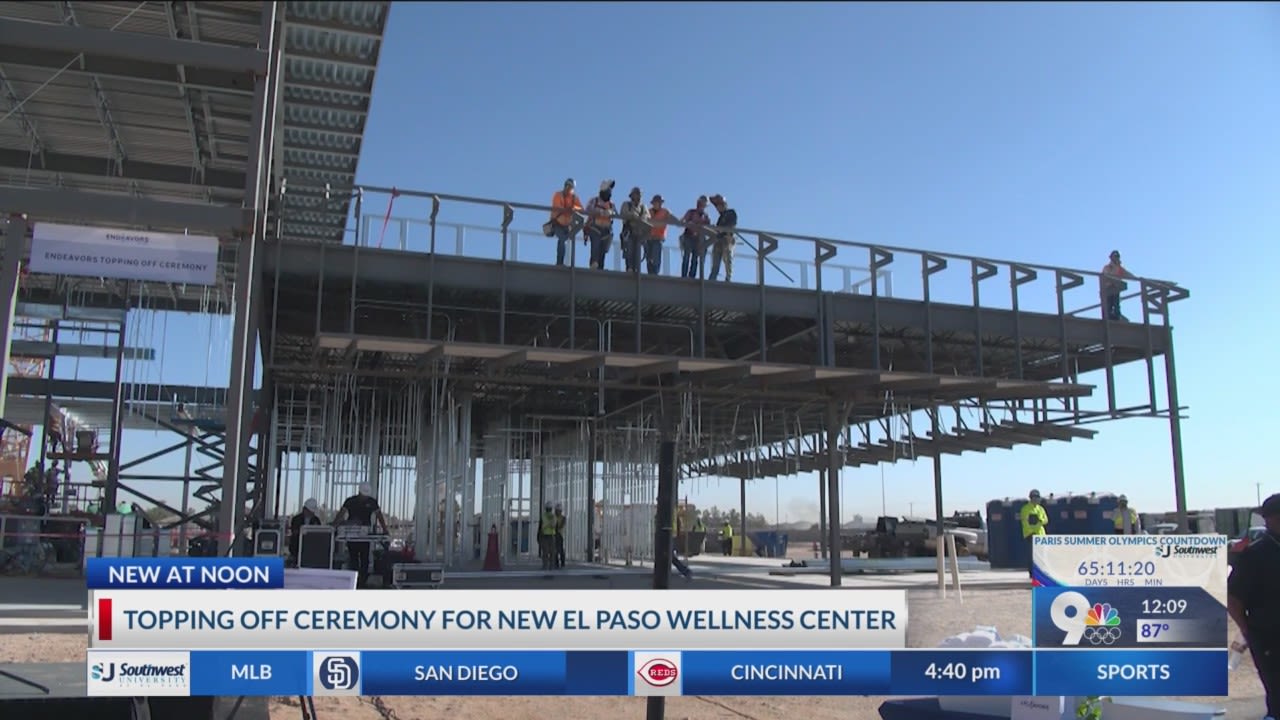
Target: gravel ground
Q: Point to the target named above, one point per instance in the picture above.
(932, 619)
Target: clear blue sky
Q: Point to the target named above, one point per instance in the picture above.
(1045, 133)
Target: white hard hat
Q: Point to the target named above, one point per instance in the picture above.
(311, 505)
(366, 488)
(606, 185)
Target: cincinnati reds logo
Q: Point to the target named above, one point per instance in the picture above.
(659, 672)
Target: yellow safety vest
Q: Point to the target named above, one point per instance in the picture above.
(1025, 514)
(728, 530)
(548, 523)
(1133, 519)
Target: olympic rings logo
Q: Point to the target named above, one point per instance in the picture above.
(1102, 635)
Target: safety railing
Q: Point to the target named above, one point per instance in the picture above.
(444, 224)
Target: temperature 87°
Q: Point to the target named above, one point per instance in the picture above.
(957, 671)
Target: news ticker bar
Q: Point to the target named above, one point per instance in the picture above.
(618, 673)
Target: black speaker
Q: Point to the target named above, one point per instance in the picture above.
(60, 708)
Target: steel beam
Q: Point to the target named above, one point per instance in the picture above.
(98, 167)
(104, 208)
(15, 246)
(157, 49)
(834, 425)
(243, 338)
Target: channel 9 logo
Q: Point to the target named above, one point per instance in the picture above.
(335, 673)
(1097, 623)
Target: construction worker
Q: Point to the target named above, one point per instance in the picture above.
(726, 238)
(1252, 589)
(726, 538)
(659, 215)
(560, 522)
(566, 203)
(360, 511)
(599, 229)
(699, 536)
(1126, 518)
(310, 515)
(547, 536)
(635, 229)
(1112, 284)
(692, 245)
(1033, 518)
(676, 562)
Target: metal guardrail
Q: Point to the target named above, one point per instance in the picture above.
(411, 222)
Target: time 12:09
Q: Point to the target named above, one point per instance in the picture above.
(1116, 567)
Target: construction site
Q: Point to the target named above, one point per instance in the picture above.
(376, 334)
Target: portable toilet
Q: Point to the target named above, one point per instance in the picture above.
(1100, 514)
(1058, 508)
(1078, 514)
(1015, 556)
(999, 550)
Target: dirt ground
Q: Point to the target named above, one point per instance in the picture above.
(932, 619)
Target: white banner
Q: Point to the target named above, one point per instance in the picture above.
(124, 254)
(487, 620)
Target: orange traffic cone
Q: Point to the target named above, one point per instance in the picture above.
(492, 560)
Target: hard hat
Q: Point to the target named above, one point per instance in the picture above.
(1123, 499)
(570, 183)
(366, 488)
(657, 199)
(559, 506)
(718, 199)
(311, 505)
(1034, 494)
(636, 190)
(606, 185)
(547, 505)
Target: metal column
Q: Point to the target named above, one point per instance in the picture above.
(243, 338)
(937, 503)
(1175, 436)
(591, 492)
(15, 246)
(109, 493)
(822, 513)
(662, 542)
(834, 421)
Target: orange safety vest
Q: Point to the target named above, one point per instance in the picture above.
(659, 232)
(604, 220)
(568, 201)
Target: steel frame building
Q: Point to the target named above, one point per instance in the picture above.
(451, 353)
(183, 117)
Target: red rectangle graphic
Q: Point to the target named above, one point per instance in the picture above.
(104, 618)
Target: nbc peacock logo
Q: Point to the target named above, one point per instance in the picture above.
(1102, 624)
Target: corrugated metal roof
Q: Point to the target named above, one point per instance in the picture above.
(186, 140)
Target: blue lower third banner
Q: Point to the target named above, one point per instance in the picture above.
(854, 672)
(1133, 673)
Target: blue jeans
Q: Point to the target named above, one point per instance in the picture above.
(653, 255)
(691, 260)
(1112, 304)
(632, 246)
(562, 242)
(600, 237)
